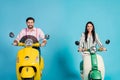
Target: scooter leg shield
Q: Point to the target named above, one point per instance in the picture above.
(87, 66)
(27, 72)
(41, 64)
(101, 66)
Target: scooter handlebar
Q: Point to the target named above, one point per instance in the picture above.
(99, 50)
(33, 45)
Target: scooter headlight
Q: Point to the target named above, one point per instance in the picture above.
(26, 57)
(93, 49)
(29, 42)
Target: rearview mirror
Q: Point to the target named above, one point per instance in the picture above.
(77, 43)
(11, 34)
(107, 41)
(47, 36)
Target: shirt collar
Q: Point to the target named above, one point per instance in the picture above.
(31, 30)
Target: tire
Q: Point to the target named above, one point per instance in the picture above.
(95, 79)
(28, 79)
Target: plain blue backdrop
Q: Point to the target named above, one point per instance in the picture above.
(64, 21)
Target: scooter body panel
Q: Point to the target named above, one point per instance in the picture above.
(95, 74)
(27, 72)
(29, 58)
(87, 65)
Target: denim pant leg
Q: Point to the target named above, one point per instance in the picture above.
(38, 48)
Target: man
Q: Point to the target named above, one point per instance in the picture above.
(31, 30)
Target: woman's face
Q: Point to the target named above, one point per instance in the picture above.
(89, 27)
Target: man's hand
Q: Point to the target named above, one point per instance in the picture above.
(15, 43)
(43, 43)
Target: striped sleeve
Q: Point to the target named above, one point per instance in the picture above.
(82, 39)
(98, 41)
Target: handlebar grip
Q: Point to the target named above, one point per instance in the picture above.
(21, 44)
(33, 45)
(36, 45)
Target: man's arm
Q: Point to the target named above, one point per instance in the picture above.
(42, 36)
(44, 42)
(15, 42)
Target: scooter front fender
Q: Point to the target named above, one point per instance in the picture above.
(27, 72)
(95, 74)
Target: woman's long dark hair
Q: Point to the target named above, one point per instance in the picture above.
(86, 31)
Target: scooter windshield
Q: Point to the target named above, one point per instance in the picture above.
(26, 37)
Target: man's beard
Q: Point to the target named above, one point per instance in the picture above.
(30, 27)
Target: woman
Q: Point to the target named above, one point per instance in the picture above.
(88, 39)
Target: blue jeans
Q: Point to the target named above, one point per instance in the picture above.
(38, 48)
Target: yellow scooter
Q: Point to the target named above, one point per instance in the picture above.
(29, 64)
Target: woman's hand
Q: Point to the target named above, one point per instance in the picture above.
(82, 49)
(102, 49)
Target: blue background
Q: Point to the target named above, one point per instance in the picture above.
(64, 21)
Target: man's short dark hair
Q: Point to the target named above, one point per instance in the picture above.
(30, 18)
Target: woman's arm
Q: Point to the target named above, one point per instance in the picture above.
(99, 43)
(81, 45)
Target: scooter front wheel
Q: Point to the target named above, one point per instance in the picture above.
(95, 79)
(28, 79)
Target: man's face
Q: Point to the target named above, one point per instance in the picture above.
(30, 24)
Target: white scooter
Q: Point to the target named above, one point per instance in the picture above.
(92, 66)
